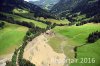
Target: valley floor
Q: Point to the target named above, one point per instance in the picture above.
(49, 48)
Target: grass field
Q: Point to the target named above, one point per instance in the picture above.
(11, 37)
(78, 33)
(62, 44)
(76, 36)
(88, 51)
(17, 10)
(55, 42)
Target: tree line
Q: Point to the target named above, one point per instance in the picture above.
(93, 37)
(96, 19)
(2, 24)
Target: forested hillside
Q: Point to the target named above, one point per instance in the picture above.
(78, 10)
(65, 5)
(89, 7)
(9, 5)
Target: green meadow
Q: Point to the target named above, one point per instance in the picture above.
(11, 37)
(91, 53)
(76, 36)
(78, 33)
(64, 21)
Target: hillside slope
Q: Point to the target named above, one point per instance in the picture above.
(45, 4)
(9, 5)
(90, 8)
(65, 5)
(71, 9)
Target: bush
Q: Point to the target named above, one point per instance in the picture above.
(93, 37)
(25, 63)
(8, 63)
(2, 24)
